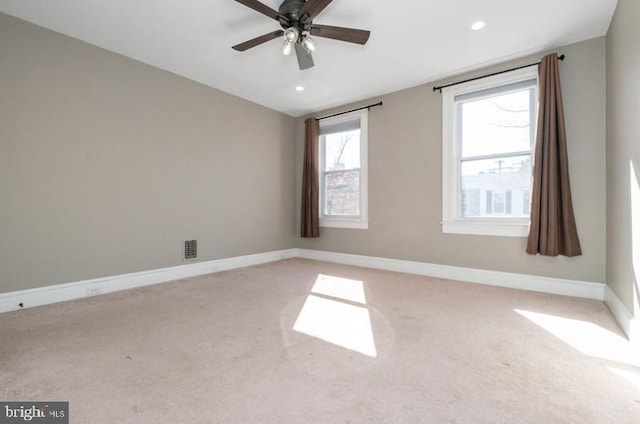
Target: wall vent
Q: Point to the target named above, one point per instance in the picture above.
(191, 249)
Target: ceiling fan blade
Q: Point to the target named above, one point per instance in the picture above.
(350, 35)
(312, 8)
(258, 40)
(262, 8)
(305, 61)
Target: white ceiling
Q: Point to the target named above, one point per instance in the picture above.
(412, 41)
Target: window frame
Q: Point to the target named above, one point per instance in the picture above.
(452, 222)
(340, 221)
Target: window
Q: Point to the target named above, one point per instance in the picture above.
(488, 137)
(343, 171)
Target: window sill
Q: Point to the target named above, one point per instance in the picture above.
(356, 224)
(487, 228)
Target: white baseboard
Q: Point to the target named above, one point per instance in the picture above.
(625, 319)
(583, 289)
(63, 292)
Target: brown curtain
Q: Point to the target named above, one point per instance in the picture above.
(310, 222)
(553, 227)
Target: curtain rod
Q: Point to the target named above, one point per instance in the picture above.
(349, 111)
(561, 57)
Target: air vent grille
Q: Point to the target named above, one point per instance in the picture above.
(191, 249)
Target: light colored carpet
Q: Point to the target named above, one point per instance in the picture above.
(301, 341)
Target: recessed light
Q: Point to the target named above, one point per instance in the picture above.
(478, 25)
(299, 88)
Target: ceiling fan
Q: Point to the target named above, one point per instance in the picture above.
(296, 19)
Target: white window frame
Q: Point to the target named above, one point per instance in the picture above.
(451, 220)
(332, 221)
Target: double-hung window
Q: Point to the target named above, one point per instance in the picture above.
(488, 137)
(343, 171)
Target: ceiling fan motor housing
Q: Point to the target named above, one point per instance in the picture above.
(290, 10)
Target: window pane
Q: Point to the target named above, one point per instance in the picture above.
(495, 187)
(470, 203)
(498, 202)
(526, 201)
(342, 150)
(498, 124)
(342, 195)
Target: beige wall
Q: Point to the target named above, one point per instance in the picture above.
(405, 180)
(107, 165)
(623, 153)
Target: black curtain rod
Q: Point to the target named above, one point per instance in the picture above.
(349, 111)
(561, 57)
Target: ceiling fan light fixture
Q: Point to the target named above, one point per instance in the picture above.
(290, 38)
(291, 35)
(309, 44)
(287, 48)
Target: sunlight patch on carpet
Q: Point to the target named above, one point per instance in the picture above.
(586, 337)
(329, 314)
(631, 376)
(340, 288)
